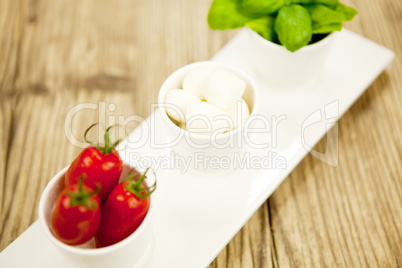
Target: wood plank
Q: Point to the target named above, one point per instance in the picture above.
(252, 246)
(11, 29)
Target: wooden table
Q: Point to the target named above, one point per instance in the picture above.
(57, 54)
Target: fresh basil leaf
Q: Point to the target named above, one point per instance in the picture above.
(321, 29)
(322, 15)
(263, 26)
(326, 2)
(348, 12)
(261, 7)
(293, 27)
(225, 14)
(331, 3)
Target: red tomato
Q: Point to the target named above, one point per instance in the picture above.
(76, 214)
(124, 210)
(102, 166)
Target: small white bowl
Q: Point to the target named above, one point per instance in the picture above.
(280, 68)
(190, 145)
(122, 254)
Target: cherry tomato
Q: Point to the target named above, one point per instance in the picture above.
(76, 214)
(101, 164)
(124, 210)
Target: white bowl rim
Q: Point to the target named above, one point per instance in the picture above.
(86, 251)
(306, 48)
(164, 89)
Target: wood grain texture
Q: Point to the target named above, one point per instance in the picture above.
(114, 55)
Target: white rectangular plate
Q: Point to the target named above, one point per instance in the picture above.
(196, 217)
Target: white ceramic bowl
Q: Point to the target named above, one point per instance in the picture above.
(280, 68)
(122, 254)
(200, 147)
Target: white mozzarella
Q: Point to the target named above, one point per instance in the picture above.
(223, 88)
(194, 80)
(239, 113)
(206, 119)
(176, 103)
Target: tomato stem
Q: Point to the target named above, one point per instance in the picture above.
(109, 146)
(81, 197)
(135, 186)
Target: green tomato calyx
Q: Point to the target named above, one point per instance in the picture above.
(135, 186)
(108, 147)
(82, 195)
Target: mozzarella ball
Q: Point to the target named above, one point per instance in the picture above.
(223, 88)
(176, 103)
(239, 113)
(206, 119)
(194, 80)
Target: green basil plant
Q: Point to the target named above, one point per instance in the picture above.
(292, 23)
